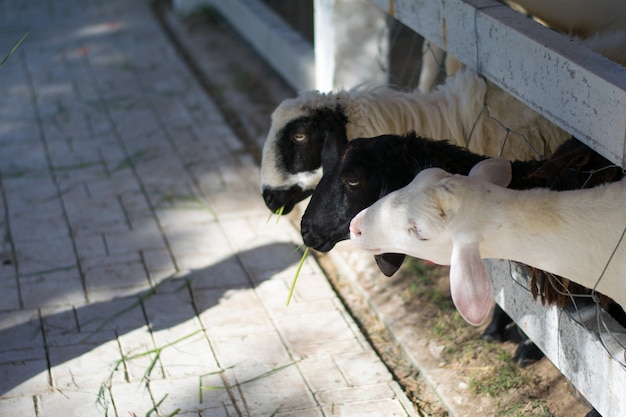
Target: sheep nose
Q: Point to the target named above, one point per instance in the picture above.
(354, 227)
(270, 199)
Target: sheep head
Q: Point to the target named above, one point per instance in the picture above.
(307, 134)
(368, 169)
(428, 219)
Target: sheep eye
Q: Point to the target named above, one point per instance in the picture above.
(299, 137)
(353, 183)
(416, 231)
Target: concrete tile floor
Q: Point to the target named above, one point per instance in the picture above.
(139, 273)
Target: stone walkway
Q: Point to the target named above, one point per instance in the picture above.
(140, 274)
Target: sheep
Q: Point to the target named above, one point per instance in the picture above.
(373, 167)
(456, 220)
(309, 132)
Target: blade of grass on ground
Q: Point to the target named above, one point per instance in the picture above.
(255, 378)
(12, 51)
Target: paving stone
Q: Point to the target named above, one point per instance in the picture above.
(186, 352)
(134, 240)
(63, 288)
(167, 310)
(306, 337)
(375, 408)
(232, 312)
(70, 403)
(141, 361)
(27, 157)
(83, 367)
(158, 263)
(362, 368)
(24, 378)
(193, 238)
(23, 406)
(187, 395)
(251, 355)
(90, 245)
(9, 295)
(131, 399)
(224, 273)
(59, 321)
(112, 275)
(363, 397)
(282, 391)
(19, 329)
(45, 256)
(95, 215)
(119, 314)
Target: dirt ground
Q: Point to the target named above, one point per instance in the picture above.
(475, 378)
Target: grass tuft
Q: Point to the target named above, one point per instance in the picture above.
(105, 387)
(500, 377)
(295, 278)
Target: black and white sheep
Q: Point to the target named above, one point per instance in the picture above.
(456, 220)
(309, 132)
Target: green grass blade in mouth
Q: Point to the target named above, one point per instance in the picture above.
(278, 212)
(295, 278)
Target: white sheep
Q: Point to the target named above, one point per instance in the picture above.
(309, 132)
(457, 220)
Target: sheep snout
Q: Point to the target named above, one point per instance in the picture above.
(355, 230)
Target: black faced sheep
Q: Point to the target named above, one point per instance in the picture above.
(456, 220)
(308, 133)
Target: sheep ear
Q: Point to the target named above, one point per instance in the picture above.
(389, 263)
(494, 170)
(470, 285)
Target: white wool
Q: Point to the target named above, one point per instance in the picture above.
(456, 112)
